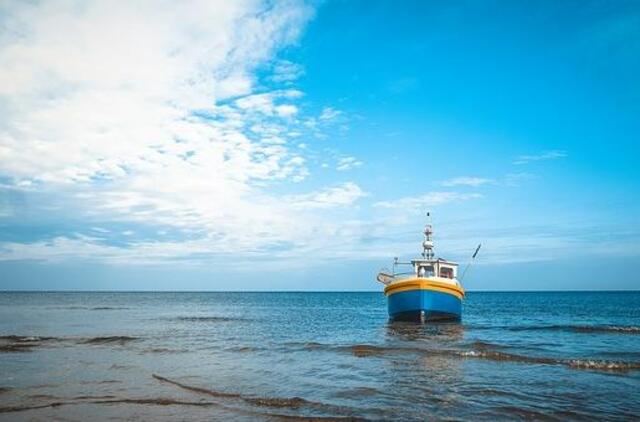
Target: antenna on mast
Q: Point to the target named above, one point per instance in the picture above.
(427, 243)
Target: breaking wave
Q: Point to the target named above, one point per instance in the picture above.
(484, 350)
(592, 364)
(606, 329)
(13, 343)
(617, 329)
(604, 365)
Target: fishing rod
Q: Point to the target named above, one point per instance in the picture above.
(470, 261)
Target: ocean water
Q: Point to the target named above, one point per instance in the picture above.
(275, 356)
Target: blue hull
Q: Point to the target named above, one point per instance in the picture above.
(424, 305)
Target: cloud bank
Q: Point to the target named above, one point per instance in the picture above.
(151, 113)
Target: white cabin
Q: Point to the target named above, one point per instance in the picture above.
(426, 267)
(435, 268)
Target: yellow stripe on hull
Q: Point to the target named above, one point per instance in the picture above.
(416, 283)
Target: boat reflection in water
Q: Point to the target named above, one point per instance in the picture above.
(441, 333)
(426, 352)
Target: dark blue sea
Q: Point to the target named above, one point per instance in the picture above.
(280, 356)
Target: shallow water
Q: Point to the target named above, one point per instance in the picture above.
(272, 356)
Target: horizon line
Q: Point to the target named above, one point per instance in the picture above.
(307, 291)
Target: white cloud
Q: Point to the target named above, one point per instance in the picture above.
(348, 163)
(150, 119)
(286, 71)
(341, 195)
(510, 179)
(286, 110)
(265, 103)
(419, 203)
(466, 181)
(545, 155)
(148, 113)
(109, 92)
(329, 113)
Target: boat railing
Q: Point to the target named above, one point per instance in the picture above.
(397, 262)
(406, 273)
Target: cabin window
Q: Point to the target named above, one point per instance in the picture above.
(425, 271)
(446, 272)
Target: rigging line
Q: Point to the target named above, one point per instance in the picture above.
(473, 257)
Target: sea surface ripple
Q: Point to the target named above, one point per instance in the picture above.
(316, 356)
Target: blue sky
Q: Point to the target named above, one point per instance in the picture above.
(298, 146)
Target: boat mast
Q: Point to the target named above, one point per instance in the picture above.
(427, 243)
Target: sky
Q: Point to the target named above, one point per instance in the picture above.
(292, 145)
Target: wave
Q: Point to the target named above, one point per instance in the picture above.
(80, 400)
(120, 340)
(163, 401)
(606, 329)
(593, 364)
(68, 307)
(482, 345)
(359, 350)
(484, 352)
(86, 308)
(164, 350)
(363, 350)
(14, 343)
(209, 319)
(199, 390)
(292, 402)
(487, 351)
(100, 382)
(242, 349)
(604, 365)
(617, 329)
(309, 345)
(107, 308)
(118, 367)
(277, 402)
(357, 393)
(502, 357)
(25, 339)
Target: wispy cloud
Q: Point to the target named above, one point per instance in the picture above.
(348, 163)
(545, 155)
(466, 181)
(270, 103)
(419, 203)
(286, 71)
(341, 195)
(329, 113)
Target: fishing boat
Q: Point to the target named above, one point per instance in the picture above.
(430, 291)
